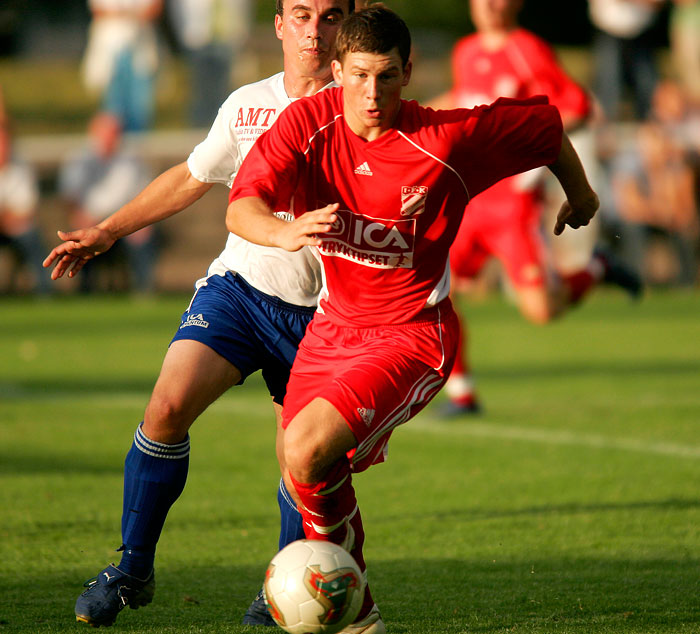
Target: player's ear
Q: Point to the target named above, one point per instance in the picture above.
(337, 70)
(407, 73)
(278, 26)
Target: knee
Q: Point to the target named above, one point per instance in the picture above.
(303, 457)
(540, 309)
(539, 315)
(315, 440)
(166, 419)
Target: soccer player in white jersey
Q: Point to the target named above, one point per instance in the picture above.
(379, 186)
(249, 313)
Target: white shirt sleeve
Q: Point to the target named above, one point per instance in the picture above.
(217, 158)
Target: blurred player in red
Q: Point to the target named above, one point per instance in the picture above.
(503, 60)
(379, 186)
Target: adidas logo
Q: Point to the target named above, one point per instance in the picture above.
(366, 415)
(363, 169)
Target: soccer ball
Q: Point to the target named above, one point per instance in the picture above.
(313, 587)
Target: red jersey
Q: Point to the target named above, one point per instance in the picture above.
(525, 66)
(401, 196)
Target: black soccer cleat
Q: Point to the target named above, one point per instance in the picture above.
(258, 613)
(615, 272)
(454, 409)
(109, 593)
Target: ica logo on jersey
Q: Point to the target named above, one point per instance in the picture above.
(374, 242)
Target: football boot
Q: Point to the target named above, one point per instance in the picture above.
(109, 593)
(257, 613)
(371, 624)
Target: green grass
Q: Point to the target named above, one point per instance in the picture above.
(571, 506)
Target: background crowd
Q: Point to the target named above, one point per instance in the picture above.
(642, 142)
(650, 165)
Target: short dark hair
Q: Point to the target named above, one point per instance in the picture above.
(375, 29)
(279, 8)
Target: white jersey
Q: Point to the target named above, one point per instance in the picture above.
(622, 18)
(19, 192)
(244, 116)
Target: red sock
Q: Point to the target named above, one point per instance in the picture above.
(578, 284)
(327, 504)
(356, 552)
(461, 365)
(325, 507)
(460, 385)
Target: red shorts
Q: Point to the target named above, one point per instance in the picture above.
(506, 228)
(377, 378)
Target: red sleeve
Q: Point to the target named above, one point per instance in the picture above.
(547, 77)
(271, 168)
(506, 138)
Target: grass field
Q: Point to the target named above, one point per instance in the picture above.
(571, 506)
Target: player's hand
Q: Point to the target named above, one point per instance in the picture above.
(304, 230)
(76, 249)
(578, 215)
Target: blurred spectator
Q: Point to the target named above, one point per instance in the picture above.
(624, 53)
(99, 181)
(654, 195)
(3, 110)
(684, 33)
(212, 33)
(121, 59)
(680, 120)
(19, 197)
(672, 109)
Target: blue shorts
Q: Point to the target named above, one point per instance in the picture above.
(251, 330)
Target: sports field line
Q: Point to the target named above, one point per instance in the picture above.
(423, 424)
(550, 437)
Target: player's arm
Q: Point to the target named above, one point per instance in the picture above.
(254, 220)
(171, 192)
(573, 122)
(548, 77)
(581, 201)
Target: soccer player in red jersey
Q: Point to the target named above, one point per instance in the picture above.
(503, 60)
(379, 186)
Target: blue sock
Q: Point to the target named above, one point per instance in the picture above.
(154, 477)
(291, 524)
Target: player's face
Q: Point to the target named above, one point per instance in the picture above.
(307, 30)
(490, 15)
(105, 133)
(372, 84)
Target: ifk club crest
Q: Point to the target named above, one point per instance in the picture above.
(413, 198)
